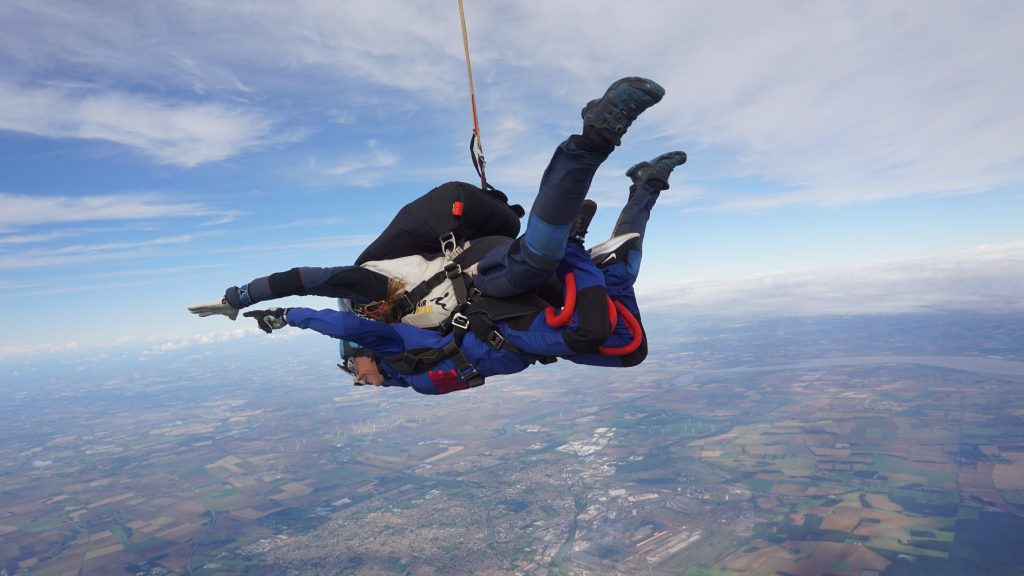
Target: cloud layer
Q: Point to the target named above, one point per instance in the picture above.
(181, 133)
(827, 103)
(21, 210)
(986, 279)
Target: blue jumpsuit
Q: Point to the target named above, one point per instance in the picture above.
(536, 341)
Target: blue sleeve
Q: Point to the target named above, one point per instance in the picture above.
(377, 336)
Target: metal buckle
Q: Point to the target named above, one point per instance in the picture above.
(495, 339)
(406, 305)
(468, 373)
(452, 270)
(461, 321)
(448, 244)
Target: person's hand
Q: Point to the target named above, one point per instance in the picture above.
(269, 320)
(219, 306)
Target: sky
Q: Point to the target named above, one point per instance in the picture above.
(844, 157)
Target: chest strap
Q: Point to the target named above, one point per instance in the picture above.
(452, 271)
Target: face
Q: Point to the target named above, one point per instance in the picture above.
(366, 371)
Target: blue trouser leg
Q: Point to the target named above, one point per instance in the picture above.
(353, 282)
(633, 218)
(537, 253)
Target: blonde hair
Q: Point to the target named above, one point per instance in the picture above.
(388, 309)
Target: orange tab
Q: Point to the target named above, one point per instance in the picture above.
(457, 209)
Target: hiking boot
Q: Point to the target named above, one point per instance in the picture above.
(579, 228)
(655, 173)
(624, 100)
(612, 250)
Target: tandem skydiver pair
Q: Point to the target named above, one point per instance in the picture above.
(486, 303)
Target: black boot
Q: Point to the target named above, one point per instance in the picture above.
(606, 119)
(655, 173)
(579, 228)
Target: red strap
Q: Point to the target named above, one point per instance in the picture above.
(634, 330)
(612, 315)
(563, 318)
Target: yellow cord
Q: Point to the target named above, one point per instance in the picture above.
(472, 93)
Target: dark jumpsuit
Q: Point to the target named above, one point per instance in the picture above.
(506, 270)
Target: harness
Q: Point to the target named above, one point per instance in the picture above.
(614, 310)
(452, 272)
(480, 315)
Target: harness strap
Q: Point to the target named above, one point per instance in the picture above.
(452, 271)
(635, 330)
(485, 329)
(565, 316)
(467, 372)
(616, 310)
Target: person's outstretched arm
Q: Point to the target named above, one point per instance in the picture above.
(382, 338)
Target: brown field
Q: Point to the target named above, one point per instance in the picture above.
(252, 513)
(1010, 476)
(229, 463)
(297, 488)
(882, 502)
(716, 439)
(988, 495)
(905, 479)
(825, 490)
(933, 466)
(97, 552)
(808, 559)
(789, 489)
(841, 518)
(976, 479)
(451, 450)
(178, 532)
(112, 500)
(869, 530)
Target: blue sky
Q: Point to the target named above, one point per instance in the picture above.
(845, 157)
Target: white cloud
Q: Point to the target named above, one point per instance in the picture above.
(984, 279)
(84, 253)
(31, 238)
(827, 102)
(22, 210)
(202, 339)
(154, 345)
(217, 47)
(20, 351)
(180, 133)
(363, 165)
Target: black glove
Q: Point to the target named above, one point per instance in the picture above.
(270, 319)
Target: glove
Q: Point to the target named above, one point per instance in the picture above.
(219, 306)
(269, 320)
